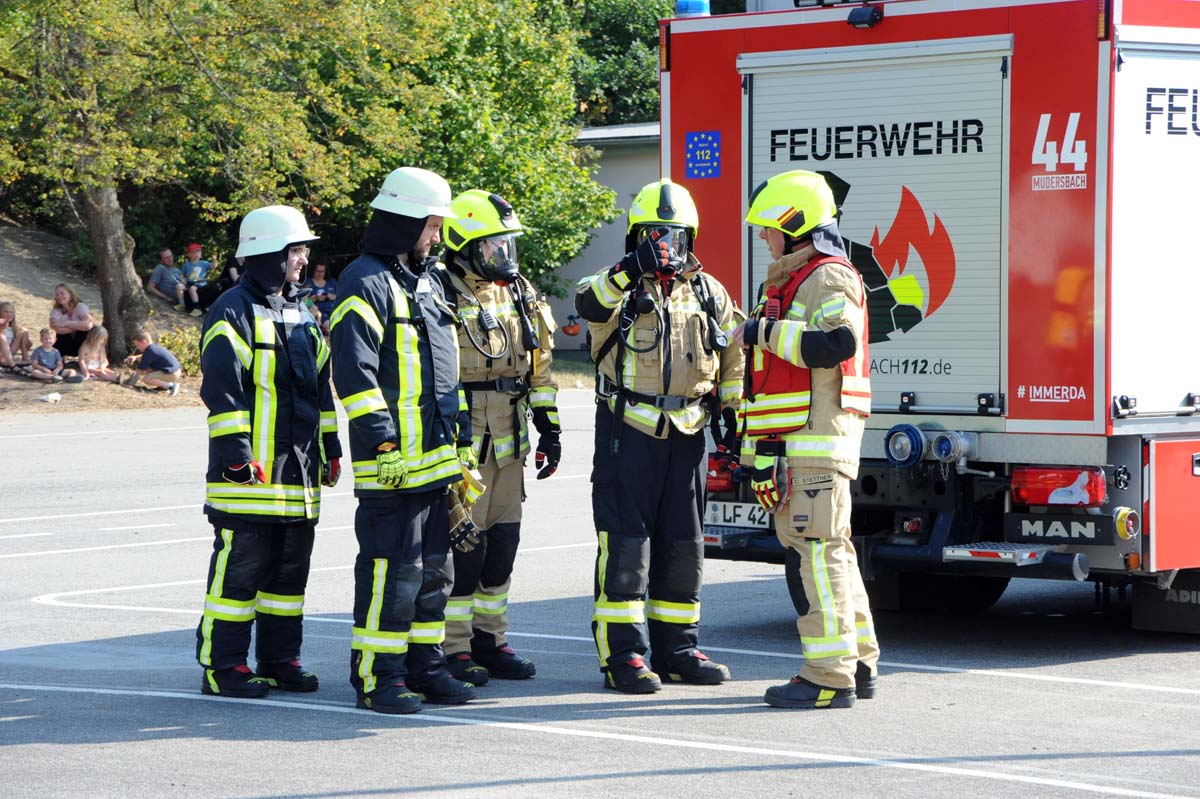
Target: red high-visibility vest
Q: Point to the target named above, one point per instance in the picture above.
(780, 393)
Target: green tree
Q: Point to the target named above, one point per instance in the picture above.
(616, 71)
(241, 103)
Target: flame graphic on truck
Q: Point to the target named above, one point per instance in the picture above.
(897, 297)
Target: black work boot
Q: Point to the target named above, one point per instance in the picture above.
(693, 668)
(865, 682)
(393, 699)
(442, 689)
(800, 694)
(237, 682)
(506, 664)
(464, 669)
(632, 677)
(288, 676)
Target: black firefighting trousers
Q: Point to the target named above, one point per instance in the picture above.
(257, 572)
(402, 578)
(647, 502)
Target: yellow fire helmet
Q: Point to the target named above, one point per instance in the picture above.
(793, 202)
(664, 203)
(480, 215)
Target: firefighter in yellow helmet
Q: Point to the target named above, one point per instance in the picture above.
(660, 338)
(806, 398)
(504, 337)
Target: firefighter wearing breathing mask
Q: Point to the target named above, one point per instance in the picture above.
(807, 395)
(272, 443)
(660, 338)
(505, 343)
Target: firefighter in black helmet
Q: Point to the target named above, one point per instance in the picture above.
(660, 338)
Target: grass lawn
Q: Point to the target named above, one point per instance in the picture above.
(573, 369)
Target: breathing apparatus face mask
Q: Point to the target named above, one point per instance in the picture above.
(678, 242)
(495, 258)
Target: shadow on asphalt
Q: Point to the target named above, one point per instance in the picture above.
(1034, 625)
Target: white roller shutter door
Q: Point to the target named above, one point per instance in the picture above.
(918, 132)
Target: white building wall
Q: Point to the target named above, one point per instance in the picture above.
(624, 167)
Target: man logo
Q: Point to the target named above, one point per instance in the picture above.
(1040, 529)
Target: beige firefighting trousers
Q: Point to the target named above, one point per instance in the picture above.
(486, 609)
(838, 631)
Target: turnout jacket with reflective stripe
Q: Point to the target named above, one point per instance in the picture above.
(493, 413)
(830, 297)
(395, 365)
(266, 384)
(676, 358)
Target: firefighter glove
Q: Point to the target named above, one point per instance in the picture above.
(246, 474)
(330, 472)
(549, 448)
(771, 481)
(467, 456)
(650, 256)
(464, 535)
(391, 465)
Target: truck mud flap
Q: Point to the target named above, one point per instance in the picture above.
(1172, 610)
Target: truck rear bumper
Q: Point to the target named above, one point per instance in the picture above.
(900, 558)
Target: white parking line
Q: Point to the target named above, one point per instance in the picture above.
(25, 535)
(108, 546)
(74, 433)
(193, 505)
(544, 728)
(133, 527)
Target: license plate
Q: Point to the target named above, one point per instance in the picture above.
(737, 514)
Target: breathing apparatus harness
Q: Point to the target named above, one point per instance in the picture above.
(638, 301)
(506, 275)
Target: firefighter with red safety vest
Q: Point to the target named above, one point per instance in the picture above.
(660, 339)
(504, 337)
(807, 394)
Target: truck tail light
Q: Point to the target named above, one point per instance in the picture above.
(1040, 485)
(720, 472)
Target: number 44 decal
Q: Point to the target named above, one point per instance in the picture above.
(1046, 152)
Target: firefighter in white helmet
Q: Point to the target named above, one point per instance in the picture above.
(272, 443)
(806, 397)
(659, 328)
(504, 338)
(395, 365)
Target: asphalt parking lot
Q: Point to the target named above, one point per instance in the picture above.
(103, 551)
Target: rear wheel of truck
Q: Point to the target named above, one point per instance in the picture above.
(947, 593)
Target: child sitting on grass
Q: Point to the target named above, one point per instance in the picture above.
(93, 357)
(158, 367)
(14, 339)
(48, 362)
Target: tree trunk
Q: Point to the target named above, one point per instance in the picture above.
(125, 305)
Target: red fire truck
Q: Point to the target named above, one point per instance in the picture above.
(1016, 184)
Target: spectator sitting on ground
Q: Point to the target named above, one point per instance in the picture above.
(70, 319)
(14, 340)
(324, 294)
(222, 282)
(93, 357)
(48, 361)
(195, 275)
(158, 367)
(166, 281)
